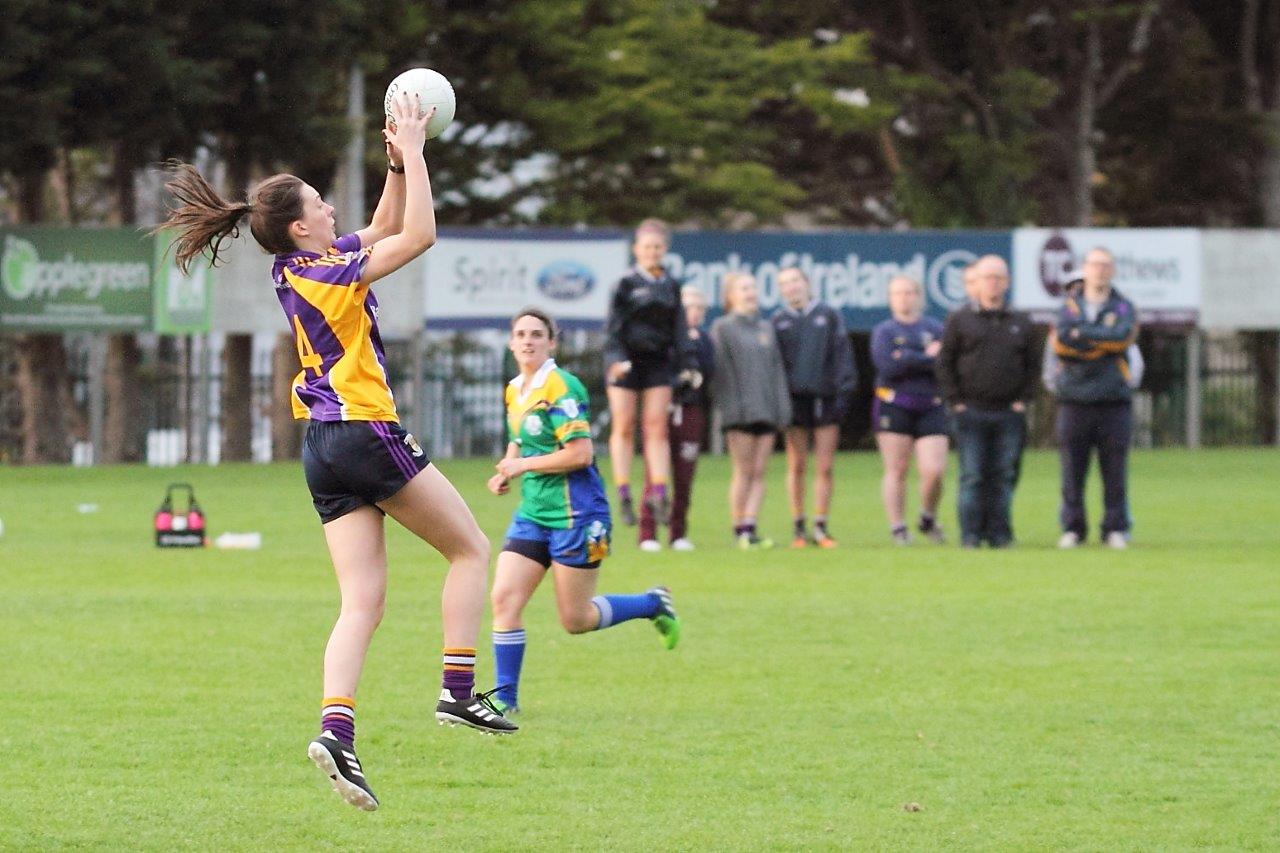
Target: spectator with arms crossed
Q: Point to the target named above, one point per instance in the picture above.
(907, 413)
(1093, 342)
(820, 378)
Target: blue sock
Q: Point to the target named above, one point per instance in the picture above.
(508, 655)
(621, 608)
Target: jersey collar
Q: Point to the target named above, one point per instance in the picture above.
(539, 379)
(644, 274)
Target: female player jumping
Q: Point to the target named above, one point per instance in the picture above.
(563, 521)
(359, 463)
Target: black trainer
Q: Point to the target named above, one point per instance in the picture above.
(476, 711)
(932, 530)
(337, 760)
(660, 505)
(627, 512)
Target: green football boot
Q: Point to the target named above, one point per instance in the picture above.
(667, 622)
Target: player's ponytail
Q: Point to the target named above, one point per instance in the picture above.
(205, 220)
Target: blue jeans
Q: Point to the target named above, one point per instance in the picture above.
(990, 445)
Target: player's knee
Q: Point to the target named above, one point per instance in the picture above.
(368, 609)
(580, 621)
(476, 549)
(507, 604)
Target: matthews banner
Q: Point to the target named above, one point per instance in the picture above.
(67, 279)
(1158, 269)
(478, 279)
(847, 270)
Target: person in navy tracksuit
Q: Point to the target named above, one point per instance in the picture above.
(907, 413)
(1092, 339)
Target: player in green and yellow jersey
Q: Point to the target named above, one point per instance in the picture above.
(563, 521)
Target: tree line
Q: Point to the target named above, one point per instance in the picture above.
(727, 113)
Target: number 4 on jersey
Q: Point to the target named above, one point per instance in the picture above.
(307, 354)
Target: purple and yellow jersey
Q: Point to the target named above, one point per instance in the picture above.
(333, 316)
(543, 419)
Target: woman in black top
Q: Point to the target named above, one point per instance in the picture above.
(646, 346)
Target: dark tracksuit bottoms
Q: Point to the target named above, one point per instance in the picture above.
(684, 431)
(1082, 427)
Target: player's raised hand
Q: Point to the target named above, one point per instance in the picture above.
(499, 484)
(407, 130)
(394, 155)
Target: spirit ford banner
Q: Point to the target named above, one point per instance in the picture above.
(478, 279)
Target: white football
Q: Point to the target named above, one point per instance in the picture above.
(433, 90)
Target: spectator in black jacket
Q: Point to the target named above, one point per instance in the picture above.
(646, 346)
(687, 425)
(987, 370)
(820, 378)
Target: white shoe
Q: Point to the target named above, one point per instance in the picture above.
(682, 544)
(651, 545)
(1116, 539)
(1069, 540)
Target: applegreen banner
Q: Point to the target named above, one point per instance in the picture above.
(67, 279)
(96, 279)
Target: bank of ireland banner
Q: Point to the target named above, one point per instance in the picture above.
(848, 270)
(478, 279)
(65, 279)
(1158, 269)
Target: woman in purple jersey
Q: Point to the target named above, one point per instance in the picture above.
(908, 413)
(359, 463)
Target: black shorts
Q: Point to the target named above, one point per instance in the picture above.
(753, 428)
(886, 417)
(350, 464)
(648, 373)
(810, 411)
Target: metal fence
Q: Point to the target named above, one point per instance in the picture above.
(449, 392)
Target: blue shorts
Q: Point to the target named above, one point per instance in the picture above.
(582, 546)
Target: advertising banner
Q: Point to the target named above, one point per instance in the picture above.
(67, 279)
(1158, 269)
(848, 270)
(478, 279)
(181, 301)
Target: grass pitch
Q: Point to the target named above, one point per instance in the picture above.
(868, 697)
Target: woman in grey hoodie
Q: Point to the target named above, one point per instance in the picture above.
(750, 394)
